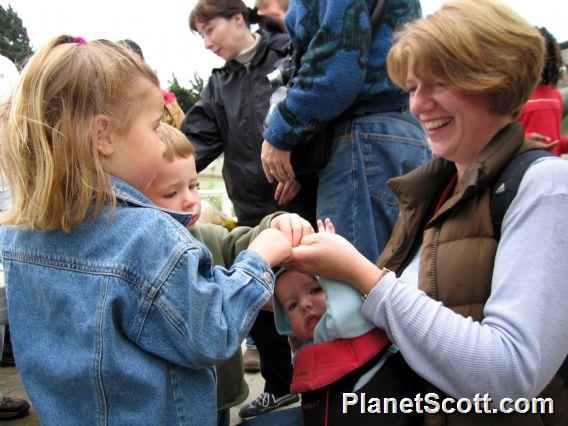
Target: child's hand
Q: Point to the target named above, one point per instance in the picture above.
(293, 226)
(332, 256)
(544, 142)
(273, 245)
(328, 226)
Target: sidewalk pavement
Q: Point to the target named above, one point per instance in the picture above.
(11, 385)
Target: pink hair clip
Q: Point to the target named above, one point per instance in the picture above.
(79, 40)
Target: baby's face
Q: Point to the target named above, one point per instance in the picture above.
(303, 301)
(175, 188)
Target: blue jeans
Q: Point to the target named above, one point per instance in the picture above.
(366, 152)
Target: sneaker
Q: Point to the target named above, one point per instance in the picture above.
(251, 361)
(13, 408)
(265, 403)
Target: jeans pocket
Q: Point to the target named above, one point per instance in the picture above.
(391, 147)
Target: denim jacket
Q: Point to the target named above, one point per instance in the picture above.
(121, 320)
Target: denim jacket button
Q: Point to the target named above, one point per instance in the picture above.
(267, 276)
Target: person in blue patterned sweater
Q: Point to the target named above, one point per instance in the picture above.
(341, 85)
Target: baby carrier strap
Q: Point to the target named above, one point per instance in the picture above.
(321, 364)
(507, 184)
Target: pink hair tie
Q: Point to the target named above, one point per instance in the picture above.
(79, 40)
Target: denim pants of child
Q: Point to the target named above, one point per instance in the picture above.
(366, 152)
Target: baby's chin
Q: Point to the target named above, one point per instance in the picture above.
(308, 332)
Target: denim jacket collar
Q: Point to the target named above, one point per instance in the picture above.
(127, 194)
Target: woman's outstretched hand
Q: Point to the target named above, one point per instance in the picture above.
(332, 256)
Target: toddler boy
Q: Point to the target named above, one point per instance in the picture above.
(175, 188)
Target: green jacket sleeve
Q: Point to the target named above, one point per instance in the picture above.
(224, 245)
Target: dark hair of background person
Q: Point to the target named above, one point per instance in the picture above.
(267, 23)
(552, 59)
(205, 10)
(133, 46)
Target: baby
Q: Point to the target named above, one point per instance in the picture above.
(299, 301)
(339, 349)
(317, 309)
(302, 301)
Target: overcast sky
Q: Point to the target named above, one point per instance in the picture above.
(162, 29)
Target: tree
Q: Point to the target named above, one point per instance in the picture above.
(186, 97)
(14, 41)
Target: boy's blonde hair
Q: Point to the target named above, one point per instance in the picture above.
(475, 46)
(177, 145)
(51, 164)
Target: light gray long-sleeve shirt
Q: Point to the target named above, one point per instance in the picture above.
(523, 339)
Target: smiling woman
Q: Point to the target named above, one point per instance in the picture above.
(458, 125)
(467, 314)
(461, 89)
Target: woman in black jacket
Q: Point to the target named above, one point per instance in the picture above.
(228, 119)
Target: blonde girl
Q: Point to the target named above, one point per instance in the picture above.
(117, 315)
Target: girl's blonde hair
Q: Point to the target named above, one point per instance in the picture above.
(177, 145)
(51, 164)
(475, 46)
